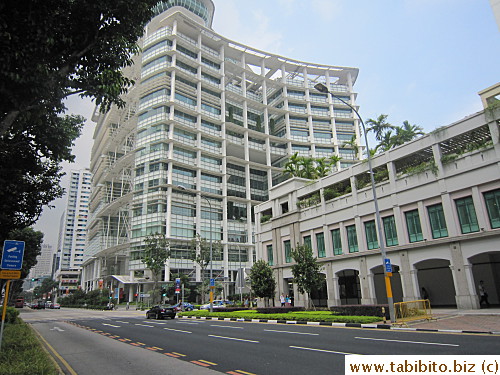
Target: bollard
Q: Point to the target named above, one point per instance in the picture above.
(383, 313)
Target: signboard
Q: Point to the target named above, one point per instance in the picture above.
(10, 275)
(212, 283)
(144, 295)
(12, 256)
(177, 285)
(388, 265)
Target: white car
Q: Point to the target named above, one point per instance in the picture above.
(218, 303)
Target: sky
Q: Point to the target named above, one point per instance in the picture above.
(423, 61)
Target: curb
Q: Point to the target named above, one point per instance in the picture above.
(349, 325)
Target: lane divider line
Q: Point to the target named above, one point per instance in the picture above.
(406, 341)
(233, 338)
(322, 350)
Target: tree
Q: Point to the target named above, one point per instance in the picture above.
(308, 167)
(200, 254)
(306, 270)
(30, 171)
(262, 280)
(156, 253)
(379, 126)
(48, 285)
(406, 133)
(51, 51)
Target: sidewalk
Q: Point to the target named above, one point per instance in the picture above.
(465, 321)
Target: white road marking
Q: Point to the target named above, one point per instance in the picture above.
(322, 350)
(111, 325)
(408, 342)
(143, 325)
(232, 338)
(177, 330)
(215, 325)
(186, 323)
(119, 321)
(154, 322)
(296, 333)
(57, 329)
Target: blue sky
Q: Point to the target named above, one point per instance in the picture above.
(419, 60)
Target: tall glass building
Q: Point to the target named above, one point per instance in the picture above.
(204, 136)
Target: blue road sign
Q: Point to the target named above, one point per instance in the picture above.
(212, 282)
(12, 256)
(388, 265)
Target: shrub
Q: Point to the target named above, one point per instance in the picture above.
(279, 310)
(11, 315)
(361, 310)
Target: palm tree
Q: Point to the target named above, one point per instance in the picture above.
(307, 169)
(406, 133)
(352, 144)
(323, 167)
(291, 167)
(379, 126)
(386, 142)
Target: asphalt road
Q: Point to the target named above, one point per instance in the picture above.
(263, 348)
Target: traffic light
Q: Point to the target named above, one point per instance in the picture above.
(164, 292)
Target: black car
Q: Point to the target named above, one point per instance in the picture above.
(161, 312)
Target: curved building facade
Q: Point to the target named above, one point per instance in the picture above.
(209, 125)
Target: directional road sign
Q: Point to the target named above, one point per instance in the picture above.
(388, 265)
(12, 256)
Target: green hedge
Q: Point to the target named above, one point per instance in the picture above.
(22, 352)
(309, 316)
(364, 310)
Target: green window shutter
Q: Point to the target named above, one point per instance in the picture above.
(437, 221)
(371, 235)
(391, 235)
(352, 239)
(320, 242)
(270, 256)
(414, 227)
(467, 215)
(336, 241)
(492, 200)
(288, 252)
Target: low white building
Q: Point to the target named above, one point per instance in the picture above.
(439, 199)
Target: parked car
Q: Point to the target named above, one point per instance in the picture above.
(38, 305)
(54, 306)
(183, 306)
(161, 312)
(218, 303)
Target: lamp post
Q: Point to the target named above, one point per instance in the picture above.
(211, 260)
(322, 88)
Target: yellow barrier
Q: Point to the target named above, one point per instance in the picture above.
(412, 310)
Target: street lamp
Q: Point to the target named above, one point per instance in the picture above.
(211, 262)
(322, 88)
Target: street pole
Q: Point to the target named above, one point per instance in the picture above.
(322, 88)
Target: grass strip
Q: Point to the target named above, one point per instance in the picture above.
(23, 354)
(309, 316)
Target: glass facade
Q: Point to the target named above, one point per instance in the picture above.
(270, 255)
